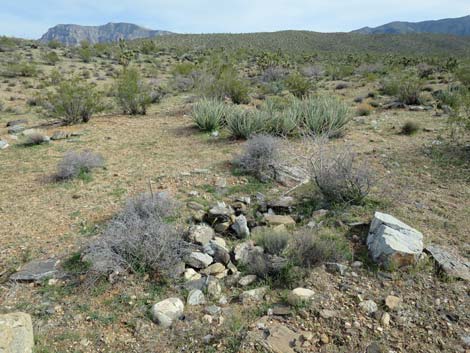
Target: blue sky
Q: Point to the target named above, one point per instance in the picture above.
(31, 18)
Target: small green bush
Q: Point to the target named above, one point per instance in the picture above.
(20, 69)
(51, 58)
(298, 85)
(74, 101)
(407, 89)
(209, 114)
(410, 128)
(273, 242)
(463, 75)
(132, 94)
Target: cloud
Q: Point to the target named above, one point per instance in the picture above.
(31, 18)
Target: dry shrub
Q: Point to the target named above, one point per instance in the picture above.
(76, 163)
(141, 238)
(338, 175)
(260, 157)
(273, 242)
(309, 249)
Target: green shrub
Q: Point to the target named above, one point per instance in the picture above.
(410, 128)
(133, 95)
(364, 109)
(273, 242)
(209, 114)
(225, 82)
(407, 89)
(20, 69)
(54, 44)
(243, 123)
(74, 101)
(309, 249)
(298, 85)
(183, 69)
(325, 115)
(51, 58)
(85, 54)
(463, 75)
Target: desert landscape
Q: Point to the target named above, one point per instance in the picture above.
(279, 192)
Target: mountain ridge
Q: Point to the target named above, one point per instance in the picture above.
(459, 26)
(73, 34)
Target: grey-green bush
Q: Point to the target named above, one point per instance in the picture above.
(74, 164)
(132, 94)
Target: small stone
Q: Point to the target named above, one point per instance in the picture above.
(328, 314)
(196, 297)
(334, 267)
(207, 318)
(191, 275)
(195, 206)
(3, 144)
(222, 227)
(16, 333)
(36, 271)
(299, 295)
(356, 264)
(59, 135)
(247, 280)
(166, 311)
(324, 339)
(201, 234)
(212, 310)
(16, 122)
(207, 339)
(368, 306)
(253, 295)
(385, 319)
(199, 260)
(275, 220)
(214, 269)
(392, 302)
(214, 289)
(241, 227)
(16, 129)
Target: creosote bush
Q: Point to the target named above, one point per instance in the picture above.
(141, 238)
(76, 164)
(209, 114)
(260, 157)
(407, 89)
(132, 94)
(338, 176)
(309, 249)
(73, 101)
(409, 128)
(298, 85)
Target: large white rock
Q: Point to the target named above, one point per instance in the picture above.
(16, 333)
(393, 243)
(300, 295)
(166, 311)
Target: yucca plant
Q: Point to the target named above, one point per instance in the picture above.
(243, 123)
(325, 115)
(209, 114)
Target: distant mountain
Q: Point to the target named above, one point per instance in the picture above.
(455, 26)
(111, 32)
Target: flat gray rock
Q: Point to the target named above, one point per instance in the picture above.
(16, 333)
(35, 271)
(452, 265)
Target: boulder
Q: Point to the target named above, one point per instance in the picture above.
(214, 269)
(392, 243)
(199, 260)
(201, 234)
(17, 122)
(452, 265)
(368, 306)
(15, 129)
(240, 226)
(218, 251)
(191, 275)
(36, 271)
(254, 295)
(166, 311)
(244, 251)
(196, 297)
(300, 295)
(275, 220)
(16, 333)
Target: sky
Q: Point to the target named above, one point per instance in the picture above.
(32, 18)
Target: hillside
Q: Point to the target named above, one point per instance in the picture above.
(70, 34)
(301, 42)
(455, 26)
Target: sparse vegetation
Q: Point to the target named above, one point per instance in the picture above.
(409, 128)
(260, 157)
(132, 94)
(73, 101)
(78, 164)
